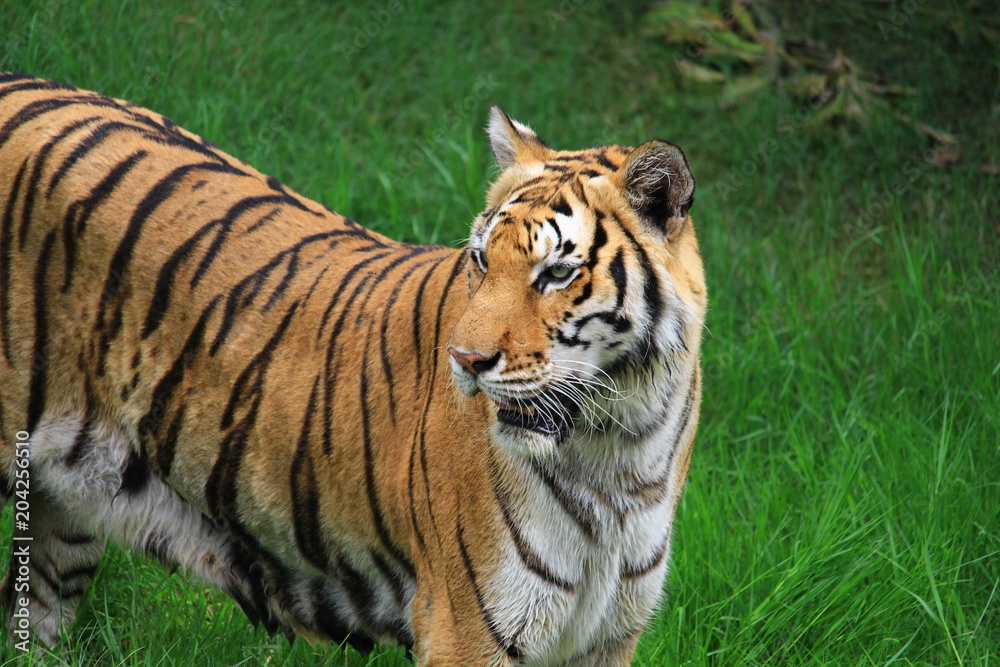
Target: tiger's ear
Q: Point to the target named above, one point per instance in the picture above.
(658, 184)
(513, 141)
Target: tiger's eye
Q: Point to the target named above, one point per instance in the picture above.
(559, 271)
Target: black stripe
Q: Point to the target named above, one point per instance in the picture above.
(418, 437)
(31, 111)
(364, 598)
(651, 286)
(157, 545)
(39, 359)
(617, 271)
(234, 212)
(421, 444)
(330, 371)
(34, 82)
(246, 569)
(417, 313)
(73, 539)
(330, 381)
(614, 319)
(630, 571)
(118, 268)
(424, 468)
(506, 646)
(330, 620)
(84, 437)
(578, 190)
(6, 246)
(560, 206)
(383, 337)
(248, 392)
(581, 513)
(305, 492)
(291, 270)
(243, 294)
(262, 220)
(289, 197)
(166, 134)
(649, 493)
(460, 263)
(605, 162)
(41, 158)
(154, 197)
(585, 293)
(54, 584)
(685, 415)
(417, 532)
(528, 193)
(372, 492)
(6, 77)
(376, 279)
(573, 341)
(345, 280)
(135, 474)
(163, 394)
(316, 281)
(251, 379)
(391, 574)
(529, 557)
(79, 212)
(160, 300)
(555, 228)
(161, 292)
(600, 239)
(166, 448)
(92, 141)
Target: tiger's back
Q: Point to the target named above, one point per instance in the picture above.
(231, 378)
(168, 313)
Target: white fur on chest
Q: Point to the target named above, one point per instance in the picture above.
(589, 538)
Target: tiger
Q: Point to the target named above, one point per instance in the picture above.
(476, 453)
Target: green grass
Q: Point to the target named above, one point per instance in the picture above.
(844, 500)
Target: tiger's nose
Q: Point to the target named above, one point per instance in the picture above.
(474, 362)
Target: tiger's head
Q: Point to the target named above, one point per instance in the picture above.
(584, 275)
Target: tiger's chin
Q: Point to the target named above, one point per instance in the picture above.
(522, 441)
(529, 431)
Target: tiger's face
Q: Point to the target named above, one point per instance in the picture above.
(582, 266)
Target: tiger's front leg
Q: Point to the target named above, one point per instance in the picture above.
(450, 634)
(50, 570)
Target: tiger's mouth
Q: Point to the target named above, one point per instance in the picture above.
(550, 419)
(529, 418)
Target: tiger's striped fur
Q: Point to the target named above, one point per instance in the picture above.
(235, 380)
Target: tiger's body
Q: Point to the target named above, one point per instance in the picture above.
(208, 368)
